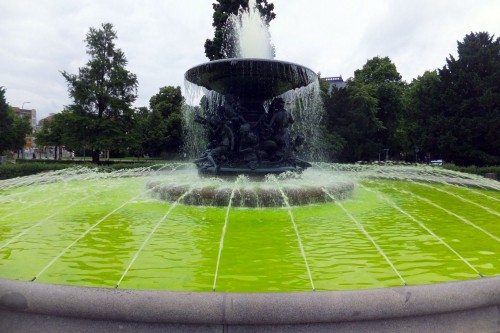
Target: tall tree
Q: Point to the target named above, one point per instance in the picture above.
(384, 83)
(364, 118)
(222, 10)
(470, 85)
(162, 129)
(52, 133)
(104, 91)
(13, 129)
(422, 122)
(6, 130)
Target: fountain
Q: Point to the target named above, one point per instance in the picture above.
(244, 137)
(305, 247)
(247, 124)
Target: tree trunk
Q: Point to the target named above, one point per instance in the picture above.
(55, 152)
(95, 156)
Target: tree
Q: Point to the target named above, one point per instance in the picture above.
(470, 87)
(222, 10)
(384, 83)
(364, 118)
(162, 129)
(334, 104)
(13, 129)
(422, 122)
(52, 133)
(6, 120)
(103, 92)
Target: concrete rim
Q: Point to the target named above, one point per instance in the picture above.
(248, 308)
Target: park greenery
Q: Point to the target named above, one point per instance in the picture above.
(452, 113)
(13, 129)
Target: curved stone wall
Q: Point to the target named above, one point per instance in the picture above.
(466, 306)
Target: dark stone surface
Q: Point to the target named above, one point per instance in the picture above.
(253, 78)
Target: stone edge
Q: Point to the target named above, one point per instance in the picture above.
(218, 308)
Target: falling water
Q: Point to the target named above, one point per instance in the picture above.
(92, 227)
(247, 36)
(224, 229)
(423, 226)
(146, 241)
(461, 218)
(295, 228)
(428, 235)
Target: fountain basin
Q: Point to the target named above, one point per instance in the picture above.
(78, 234)
(252, 191)
(251, 78)
(399, 225)
(467, 306)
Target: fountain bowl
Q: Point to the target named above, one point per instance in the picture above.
(251, 78)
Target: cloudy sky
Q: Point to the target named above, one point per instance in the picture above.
(163, 38)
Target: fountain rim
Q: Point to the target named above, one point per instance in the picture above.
(221, 308)
(262, 60)
(221, 73)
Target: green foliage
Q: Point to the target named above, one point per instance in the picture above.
(454, 113)
(222, 10)
(30, 167)
(11, 170)
(103, 93)
(13, 129)
(451, 114)
(421, 123)
(162, 127)
(366, 115)
(473, 169)
(470, 87)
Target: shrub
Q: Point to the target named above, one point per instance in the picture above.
(473, 169)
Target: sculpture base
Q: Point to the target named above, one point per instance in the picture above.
(260, 191)
(236, 171)
(292, 165)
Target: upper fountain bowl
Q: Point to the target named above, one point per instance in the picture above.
(251, 78)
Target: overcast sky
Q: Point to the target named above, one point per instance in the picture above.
(162, 39)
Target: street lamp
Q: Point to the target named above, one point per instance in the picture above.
(22, 107)
(386, 154)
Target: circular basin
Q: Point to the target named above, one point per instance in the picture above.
(250, 78)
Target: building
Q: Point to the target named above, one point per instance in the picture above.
(335, 81)
(28, 114)
(31, 116)
(45, 120)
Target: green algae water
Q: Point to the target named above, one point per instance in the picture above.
(400, 226)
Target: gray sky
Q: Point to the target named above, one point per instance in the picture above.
(163, 38)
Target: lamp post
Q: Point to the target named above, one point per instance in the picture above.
(386, 154)
(22, 108)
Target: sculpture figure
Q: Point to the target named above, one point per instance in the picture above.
(244, 137)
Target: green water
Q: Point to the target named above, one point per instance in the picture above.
(108, 232)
